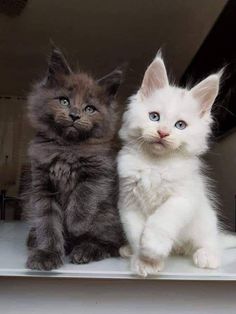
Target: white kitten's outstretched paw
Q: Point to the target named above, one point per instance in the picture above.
(154, 245)
(125, 251)
(204, 258)
(144, 267)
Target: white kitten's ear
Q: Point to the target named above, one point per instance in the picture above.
(155, 77)
(206, 91)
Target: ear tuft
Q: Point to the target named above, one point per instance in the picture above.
(57, 65)
(159, 54)
(206, 91)
(155, 76)
(112, 81)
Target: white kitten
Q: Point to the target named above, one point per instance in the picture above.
(165, 201)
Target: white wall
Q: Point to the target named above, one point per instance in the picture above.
(222, 159)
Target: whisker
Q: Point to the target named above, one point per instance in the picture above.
(226, 109)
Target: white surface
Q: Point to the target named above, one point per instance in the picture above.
(13, 256)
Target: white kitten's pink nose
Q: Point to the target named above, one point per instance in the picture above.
(162, 133)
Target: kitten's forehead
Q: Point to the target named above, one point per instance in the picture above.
(83, 87)
(173, 100)
(80, 83)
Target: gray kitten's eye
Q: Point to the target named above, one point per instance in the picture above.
(154, 116)
(90, 109)
(64, 101)
(180, 125)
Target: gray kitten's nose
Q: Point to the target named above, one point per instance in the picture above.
(74, 116)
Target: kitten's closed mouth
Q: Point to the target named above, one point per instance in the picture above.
(159, 142)
(71, 129)
(72, 126)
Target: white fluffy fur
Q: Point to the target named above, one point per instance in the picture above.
(165, 203)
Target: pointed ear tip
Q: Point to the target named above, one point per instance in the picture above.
(53, 46)
(220, 73)
(56, 50)
(215, 78)
(159, 54)
(158, 59)
(122, 68)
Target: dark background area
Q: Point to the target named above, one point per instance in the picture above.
(219, 50)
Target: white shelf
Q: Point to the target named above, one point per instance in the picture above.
(13, 256)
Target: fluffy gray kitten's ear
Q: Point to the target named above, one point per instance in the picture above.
(112, 81)
(57, 66)
(155, 77)
(206, 92)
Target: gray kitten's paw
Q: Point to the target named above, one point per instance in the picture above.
(44, 260)
(32, 240)
(88, 252)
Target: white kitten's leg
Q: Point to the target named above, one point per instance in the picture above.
(131, 205)
(133, 222)
(206, 240)
(162, 228)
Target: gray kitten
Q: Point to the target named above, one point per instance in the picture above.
(72, 199)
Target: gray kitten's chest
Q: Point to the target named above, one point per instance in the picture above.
(64, 171)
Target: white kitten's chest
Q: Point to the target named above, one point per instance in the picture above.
(156, 179)
(156, 185)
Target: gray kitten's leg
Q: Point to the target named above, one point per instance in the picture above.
(46, 241)
(95, 223)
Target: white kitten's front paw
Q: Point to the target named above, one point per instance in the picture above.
(145, 267)
(203, 258)
(154, 245)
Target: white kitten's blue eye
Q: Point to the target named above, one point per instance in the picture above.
(154, 116)
(64, 101)
(180, 125)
